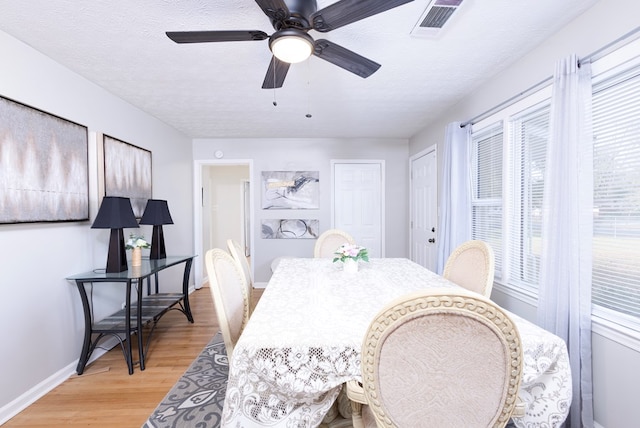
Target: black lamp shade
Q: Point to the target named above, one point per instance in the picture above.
(115, 213)
(157, 213)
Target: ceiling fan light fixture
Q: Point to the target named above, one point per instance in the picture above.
(291, 46)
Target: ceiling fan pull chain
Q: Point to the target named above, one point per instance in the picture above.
(308, 115)
(275, 102)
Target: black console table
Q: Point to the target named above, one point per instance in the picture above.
(146, 309)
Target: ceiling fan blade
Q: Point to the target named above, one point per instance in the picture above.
(277, 10)
(216, 36)
(275, 74)
(345, 12)
(345, 58)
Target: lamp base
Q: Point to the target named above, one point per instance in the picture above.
(158, 250)
(117, 257)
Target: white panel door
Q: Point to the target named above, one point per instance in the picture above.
(358, 203)
(424, 210)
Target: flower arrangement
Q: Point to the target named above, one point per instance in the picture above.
(351, 252)
(136, 241)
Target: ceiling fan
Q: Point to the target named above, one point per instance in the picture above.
(291, 43)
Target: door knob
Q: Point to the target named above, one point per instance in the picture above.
(432, 240)
(433, 229)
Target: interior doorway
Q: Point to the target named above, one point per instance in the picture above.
(222, 209)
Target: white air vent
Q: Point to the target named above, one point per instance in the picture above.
(435, 16)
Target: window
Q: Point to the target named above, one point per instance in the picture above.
(528, 141)
(486, 201)
(616, 222)
(509, 156)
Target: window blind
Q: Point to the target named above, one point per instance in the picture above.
(616, 223)
(486, 203)
(529, 137)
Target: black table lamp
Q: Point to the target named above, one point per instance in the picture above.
(115, 213)
(157, 213)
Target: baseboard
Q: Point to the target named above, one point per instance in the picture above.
(259, 285)
(34, 394)
(31, 396)
(40, 390)
(597, 425)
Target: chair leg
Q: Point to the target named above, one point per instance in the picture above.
(356, 414)
(355, 393)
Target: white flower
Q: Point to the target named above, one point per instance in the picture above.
(136, 241)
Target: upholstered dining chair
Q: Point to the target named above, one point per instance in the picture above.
(329, 241)
(439, 358)
(237, 252)
(472, 266)
(229, 292)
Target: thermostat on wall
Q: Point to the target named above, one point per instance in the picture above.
(218, 154)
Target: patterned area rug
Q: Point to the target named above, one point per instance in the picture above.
(197, 398)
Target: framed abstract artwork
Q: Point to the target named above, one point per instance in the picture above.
(44, 166)
(290, 190)
(289, 229)
(127, 172)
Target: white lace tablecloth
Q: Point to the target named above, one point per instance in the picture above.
(304, 338)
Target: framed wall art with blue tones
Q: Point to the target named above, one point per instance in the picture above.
(290, 190)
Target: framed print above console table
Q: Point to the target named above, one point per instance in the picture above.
(127, 172)
(44, 166)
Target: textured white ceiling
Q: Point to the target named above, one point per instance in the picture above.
(214, 89)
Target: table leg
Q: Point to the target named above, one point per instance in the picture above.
(185, 290)
(86, 308)
(128, 328)
(139, 323)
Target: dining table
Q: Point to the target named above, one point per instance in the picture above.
(304, 338)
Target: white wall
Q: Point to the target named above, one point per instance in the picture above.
(308, 154)
(616, 377)
(41, 319)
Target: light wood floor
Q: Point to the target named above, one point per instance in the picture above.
(113, 398)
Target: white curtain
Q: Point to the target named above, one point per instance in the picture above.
(455, 192)
(564, 305)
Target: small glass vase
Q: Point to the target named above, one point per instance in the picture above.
(350, 266)
(136, 257)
